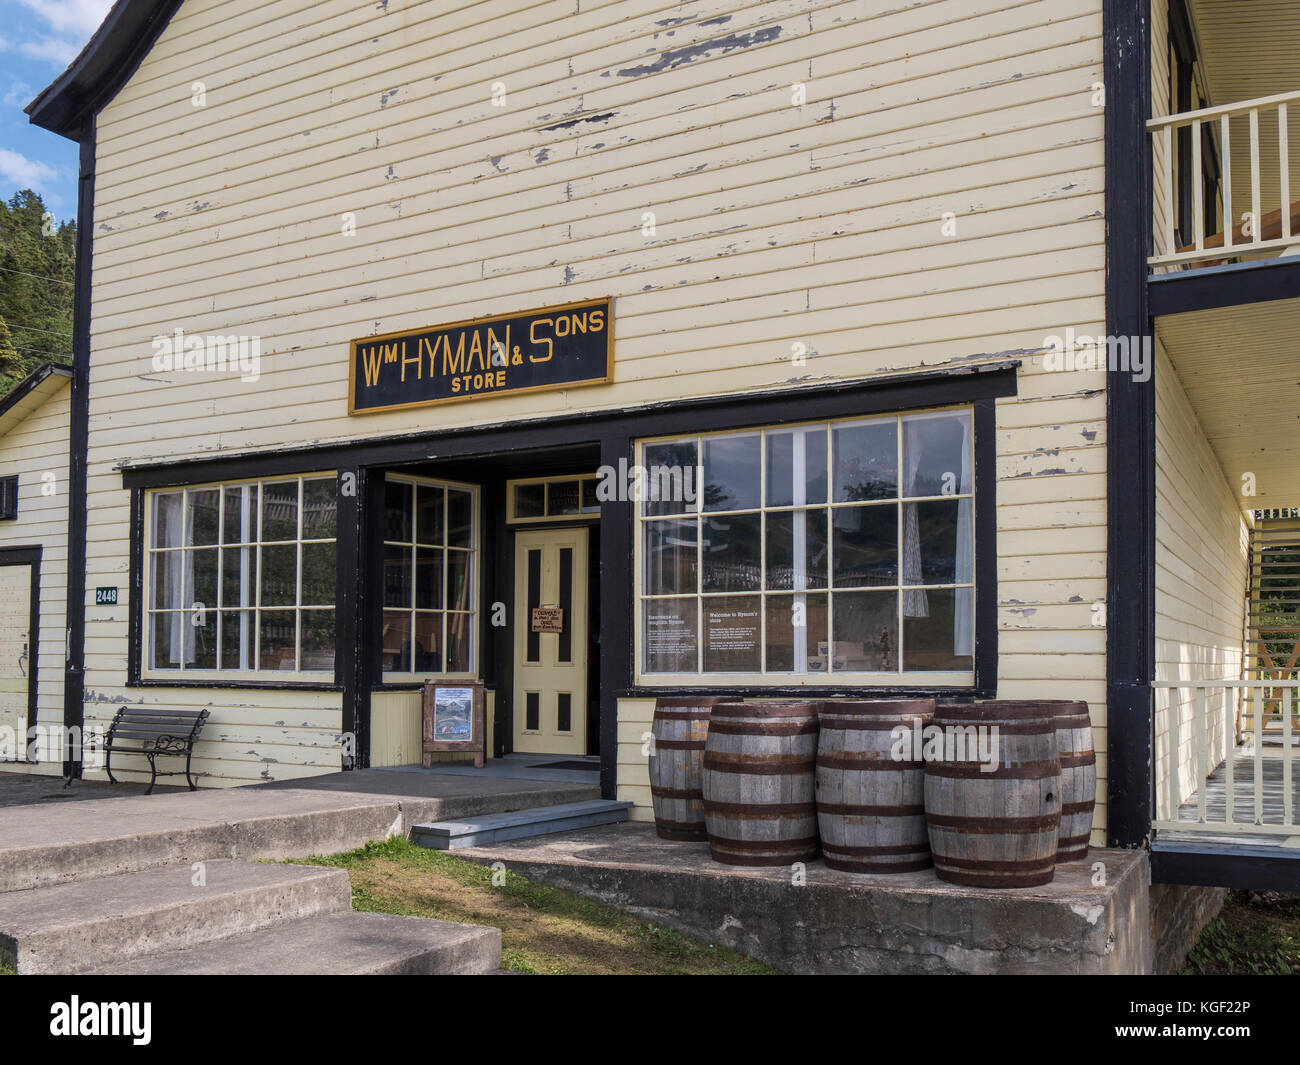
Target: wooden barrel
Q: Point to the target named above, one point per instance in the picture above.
(871, 785)
(677, 766)
(759, 778)
(1078, 779)
(998, 827)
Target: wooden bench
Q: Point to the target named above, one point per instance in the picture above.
(150, 732)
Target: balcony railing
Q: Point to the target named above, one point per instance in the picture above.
(1262, 232)
(1240, 760)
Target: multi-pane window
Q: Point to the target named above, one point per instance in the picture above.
(242, 576)
(843, 548)
(430, 534)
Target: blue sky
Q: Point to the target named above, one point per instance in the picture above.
(38, 39)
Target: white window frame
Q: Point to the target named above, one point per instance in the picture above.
(148, 613)
(829, 679)
(476, 569)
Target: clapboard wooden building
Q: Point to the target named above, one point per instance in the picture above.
(944, 336)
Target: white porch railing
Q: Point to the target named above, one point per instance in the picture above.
(1271, 231)
(1246, 789)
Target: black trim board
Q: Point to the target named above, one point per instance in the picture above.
(1232, 285)
(78, 446)
(1130, 429)
(29, 556)
(1228, 866)
(935, 388)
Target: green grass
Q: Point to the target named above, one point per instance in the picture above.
(544, 930)
(6, 969)
(1257, 933)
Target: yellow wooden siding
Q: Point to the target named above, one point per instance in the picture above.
(35, 449)
(775, 224)
(396, 729)
(1202, 562)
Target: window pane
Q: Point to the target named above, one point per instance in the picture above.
(201, 639)
(866, 461)
(670, 478)
(395, 641)
(204, 516)
(239, 521)
(732, 472)
(936, 454)
(280, 510)
(865, 628)
(459, 637)
(165, 642)
(320, 509)
(937, 542)
(167, 531)
(460, 518)
(794, 622)
(938, 629)
(460, 580)
(429, 514)
(167, 569)
(277, 633)
(201, 578)
(397, 511)
(317, 641)
(733, 553)
(398, 584)
(671, 556)
(563, 498)
(318, 574)
(237, 639)
(530, 500)
(731, 634)
(669, 635)
(787, 528)
(428, 578)
(279, 575)
(866, 546)
(428, 643)
(590, 501)
(796, 467)
(238, 576)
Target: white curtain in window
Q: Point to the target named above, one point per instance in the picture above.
(964, 622)
(179, 571)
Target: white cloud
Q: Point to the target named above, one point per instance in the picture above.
(18, 95)
(69, 25)
(24, 173)
(70, 18)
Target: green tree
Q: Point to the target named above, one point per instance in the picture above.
(37, 267)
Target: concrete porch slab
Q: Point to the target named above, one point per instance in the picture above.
(837, 922)
(48, 843)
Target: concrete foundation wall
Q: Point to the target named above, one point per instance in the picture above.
(1178, 915)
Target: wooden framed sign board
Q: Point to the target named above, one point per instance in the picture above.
(453, 720)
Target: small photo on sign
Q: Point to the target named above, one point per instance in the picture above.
(453, 710)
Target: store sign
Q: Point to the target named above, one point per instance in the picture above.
(558, 347)
(548, 619)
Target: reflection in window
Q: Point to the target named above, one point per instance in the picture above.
(242, 577)
(844, 547)
(429, 573)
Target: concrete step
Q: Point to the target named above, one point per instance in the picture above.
(346, 944)
(76, 926)
(42, 845)
(538, 821)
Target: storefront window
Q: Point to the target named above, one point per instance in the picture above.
(241, 577)
(430, 542)
(840, 550)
